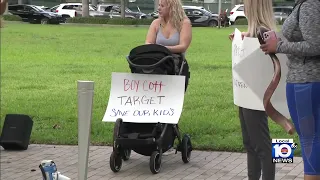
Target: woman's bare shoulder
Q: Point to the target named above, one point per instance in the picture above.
(156, 22)
(186, 20)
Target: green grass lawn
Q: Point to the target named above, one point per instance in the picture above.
(40, 66)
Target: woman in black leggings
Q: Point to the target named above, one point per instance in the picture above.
(254, 123)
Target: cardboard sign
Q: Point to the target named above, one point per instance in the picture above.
(143, 98)
(252, 72)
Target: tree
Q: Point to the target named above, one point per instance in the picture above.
(95, 2)
(85, 8)
(156, 4)
(233, 3)
(123, 3)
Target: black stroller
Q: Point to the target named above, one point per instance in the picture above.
(151, 139)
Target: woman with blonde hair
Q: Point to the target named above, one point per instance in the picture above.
(254, 123)
(172, 29)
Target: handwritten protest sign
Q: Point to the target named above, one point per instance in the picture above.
(143, 98)
(252, 72)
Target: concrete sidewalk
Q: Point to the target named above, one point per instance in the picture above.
(23, 165)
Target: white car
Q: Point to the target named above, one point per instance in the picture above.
(237, 13)
(70, 9)
(63, 10)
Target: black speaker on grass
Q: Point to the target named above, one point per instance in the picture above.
(16, 132)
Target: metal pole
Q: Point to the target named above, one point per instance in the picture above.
(156, 4)
(85, 101)
(219, 22)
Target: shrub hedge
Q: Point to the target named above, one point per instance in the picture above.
(113, 21)
(94, 20)
(9, 17)
(243, 21)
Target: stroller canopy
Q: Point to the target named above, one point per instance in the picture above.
(152, 58)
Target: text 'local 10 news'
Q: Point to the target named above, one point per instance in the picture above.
(283, 150)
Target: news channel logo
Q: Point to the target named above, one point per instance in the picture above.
(283, 150)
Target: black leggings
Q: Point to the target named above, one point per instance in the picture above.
(257, 142)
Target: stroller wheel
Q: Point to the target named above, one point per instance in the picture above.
(115, 162)
(155, 162)
(116, 131)
(126, 154)
(186, 148)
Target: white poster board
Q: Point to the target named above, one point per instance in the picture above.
(143, 98)
(252, 72)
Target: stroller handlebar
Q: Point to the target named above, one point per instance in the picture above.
(149, 66)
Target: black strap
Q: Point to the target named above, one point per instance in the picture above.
(299, 3)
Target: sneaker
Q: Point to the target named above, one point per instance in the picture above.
(170, 151)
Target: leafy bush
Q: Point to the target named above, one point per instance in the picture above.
(242, 21)
(8, 17)
(107, 20)
(88, 20)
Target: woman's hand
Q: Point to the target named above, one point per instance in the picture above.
(270, 46)
(245, 34)
(231, 36)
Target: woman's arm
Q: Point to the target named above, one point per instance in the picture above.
(3, 6)
(152, 32)
(309, 24)
(185, 38)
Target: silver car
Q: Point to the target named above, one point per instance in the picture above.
(281, 13)
(114, 11)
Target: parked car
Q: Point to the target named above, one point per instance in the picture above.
(200, 7)
(93, 11)
(237, 13)
(43, 7)
(201, 17)
(114, 11)
(67, 10)
(281, 13)
(198, 16)
(33, 14)
(155, 14)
